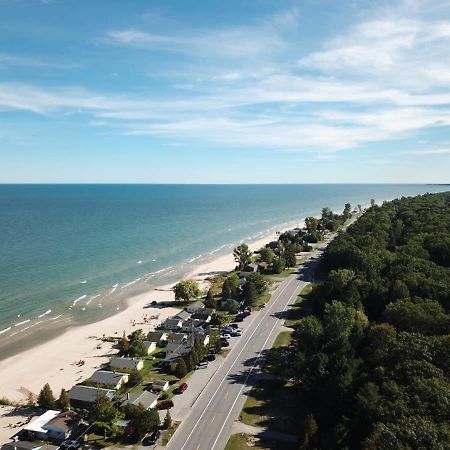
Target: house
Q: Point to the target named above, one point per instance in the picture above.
(157, 336)
(193, 307)
(262, 266)
(182, 315)
(113, 380)
(191, 325)
(272, 245)
(81, 396)
(145, 398)
(127, 363)
(26, 445)
(174, 351)
(253, 267)
(171, 324)
(160, 385)
(203, 338)
(52, 424)
(150, 346)
(202, 316)
(177, 338)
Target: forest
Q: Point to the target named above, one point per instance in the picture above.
(371, 363)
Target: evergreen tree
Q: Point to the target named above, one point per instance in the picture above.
(167, 420)
(250, 294)
(64, 402)
(181, 369)
(210, 301)
(45, 398)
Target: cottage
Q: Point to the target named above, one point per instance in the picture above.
(52, 425)
(171, 324)
(82, 396)
(272, 245)
(157, 336)
(110, 379)
(253, 267)
(202, 316)
(193, 307)
(262, 266)
(127, 363)
(191, 325)
(175, 351)
(182, 315)
(145, 398)
(203, 338)
(160, 385)
(149, 346)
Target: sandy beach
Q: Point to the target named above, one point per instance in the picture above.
(55, 361)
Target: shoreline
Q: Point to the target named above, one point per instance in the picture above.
(53, 360)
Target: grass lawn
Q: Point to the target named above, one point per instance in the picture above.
(242, 441)
(283, 339)
(273, 405)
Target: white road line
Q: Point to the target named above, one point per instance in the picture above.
(231, 366)
(249, 373)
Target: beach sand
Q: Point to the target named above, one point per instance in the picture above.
(54, 361)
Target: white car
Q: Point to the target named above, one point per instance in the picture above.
(225, 336)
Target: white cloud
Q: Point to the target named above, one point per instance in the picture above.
(430, 151)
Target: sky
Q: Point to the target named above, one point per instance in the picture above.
(235, 91)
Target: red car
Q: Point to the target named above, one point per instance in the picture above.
(165, 404)
(181, 388)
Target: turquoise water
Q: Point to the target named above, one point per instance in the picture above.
(74, 251)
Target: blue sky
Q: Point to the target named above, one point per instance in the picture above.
(209, 91)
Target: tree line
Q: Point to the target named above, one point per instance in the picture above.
(371, 364)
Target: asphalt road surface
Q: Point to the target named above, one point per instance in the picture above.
(208, 425)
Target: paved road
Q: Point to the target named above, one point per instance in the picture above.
(209, 423)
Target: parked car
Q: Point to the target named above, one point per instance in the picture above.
(151, 440)
(224, 343)
(70, 444)
(165, 404)
(211, 357)
(236, 333)
(239, 318)
(201, 366)
(181, 388)
(234, 325)
(225, 336)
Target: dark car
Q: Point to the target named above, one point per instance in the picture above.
(181, 388)
(234, 325)
(151, 440)
(224, 343)
(211, 357)
(165, 404)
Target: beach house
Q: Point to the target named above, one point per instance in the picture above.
(84, 396)
(150, 346)
(52, 424)
(157, 336)
(160, 385)
(194, 307)
(171, 324)
(113, 380)
(175, 351)
(177, 338)
(126, 363)
(144, 398)
(182, 315)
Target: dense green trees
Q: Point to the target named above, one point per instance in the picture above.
(186, 290)
(46, 400)
(372, 364)
(242, 255)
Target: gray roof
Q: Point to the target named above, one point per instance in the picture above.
(183, 315)
(89, 394)
(125, 363)
(146, 398)
(197, 304)
(171, 322)
(177, 338)
(107, 377)
(148, 344)
(155, 336)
